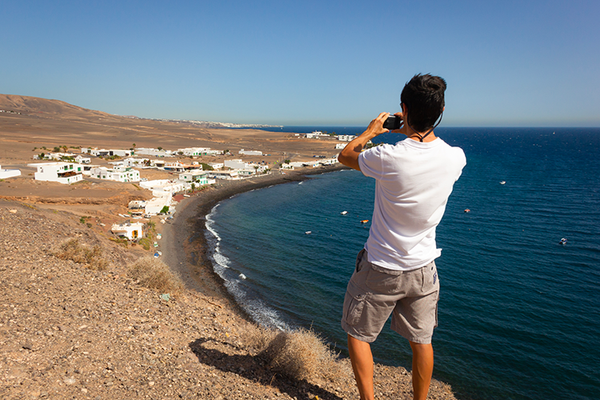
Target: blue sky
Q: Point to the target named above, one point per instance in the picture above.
(507, 63)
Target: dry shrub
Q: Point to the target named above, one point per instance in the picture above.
(155, 274)
(302, 354)
(257, 338)
(92, 257)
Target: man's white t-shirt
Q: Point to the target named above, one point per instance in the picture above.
(414, 181)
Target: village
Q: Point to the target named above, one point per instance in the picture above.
(169, 175)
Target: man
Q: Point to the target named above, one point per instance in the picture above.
(395, 272)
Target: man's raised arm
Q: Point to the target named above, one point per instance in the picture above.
(349, 155)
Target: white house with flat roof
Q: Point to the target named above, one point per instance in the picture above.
(119, 174)
(129, 230)
(153, 152)
(107, 152)
(194, 176)
(9, 173)
(236, 164)
(231, 175)
(216, 165)
(82, 160)
(251, 152)
(61, 172)
(329, 161)
(155, 205)
(159, 186)
(199, 151)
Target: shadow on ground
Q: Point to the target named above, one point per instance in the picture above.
(256, 370)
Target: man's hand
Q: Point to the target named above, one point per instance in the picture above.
(403, 127)
(375, 127)
(349, 156)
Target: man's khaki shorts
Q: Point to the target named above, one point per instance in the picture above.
(374, 293)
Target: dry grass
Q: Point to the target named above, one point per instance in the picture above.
(154, 274)
(302, 354)
(91, 257)
(257, 338)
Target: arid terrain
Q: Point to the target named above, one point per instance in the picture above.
(77, 320)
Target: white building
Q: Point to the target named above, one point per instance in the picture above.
(251, 152)
(198, 151)
(132, 162)
(160, 186)
(157, 163)
(107, 152)
(180, 167)
(153, 152)
(60, 172)
(329, 161)
(315, 135)
(119, 174)
(216, 165)
(129, 230)
(136, 205)
(236, 164)
(156, 204)
(195, 176)
(82, 160)
(54, 156)
(346, 138)
(231, 175)
(9, 173)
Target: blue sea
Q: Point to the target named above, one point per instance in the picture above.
(519, 314)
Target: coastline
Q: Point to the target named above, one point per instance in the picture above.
(184, 244)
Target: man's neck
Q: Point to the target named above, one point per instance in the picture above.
(418, 136)
(426, 136)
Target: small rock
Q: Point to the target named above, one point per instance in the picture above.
(69, 381)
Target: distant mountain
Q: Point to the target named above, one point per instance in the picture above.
(59, 109)
(37, 105)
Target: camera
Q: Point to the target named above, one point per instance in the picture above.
(393, 122)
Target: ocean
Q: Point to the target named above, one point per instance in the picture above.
(519, 314)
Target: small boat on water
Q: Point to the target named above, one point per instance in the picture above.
(467, 210)
(364, 221)
(563, 241)
(503, 182)
(344, 212)
(308, 232)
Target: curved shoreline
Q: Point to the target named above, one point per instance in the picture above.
(184, 244)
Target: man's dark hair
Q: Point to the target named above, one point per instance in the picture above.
(423, 97)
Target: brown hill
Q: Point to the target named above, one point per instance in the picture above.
(33, 122)
(27, 104)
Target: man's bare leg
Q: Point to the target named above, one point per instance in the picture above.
(362, 364)
(422, 369)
